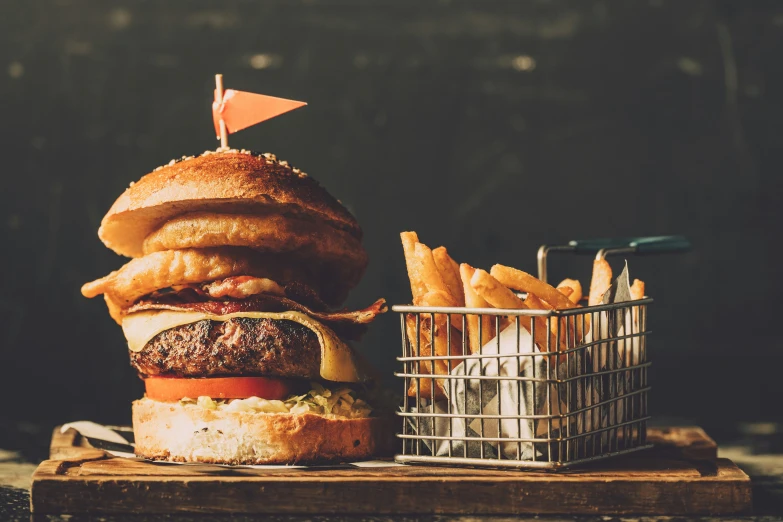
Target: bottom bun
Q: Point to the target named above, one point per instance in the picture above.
(189, 433)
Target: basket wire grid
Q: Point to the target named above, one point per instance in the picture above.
(577, 397)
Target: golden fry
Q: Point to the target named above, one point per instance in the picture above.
(449, 272)
(524, 282)
(499, 296)
(424, 349)
(494, 292)
(535, 303)
(637, 289)
(435, 340)
(409, 240)
(566, 291)
(441, 299)
(601, 281)
(473, 300)
(575, 287)
(572, 289)
(637, 292)
(429, 271)
(435, 298)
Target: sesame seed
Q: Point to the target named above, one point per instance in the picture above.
(270, 159)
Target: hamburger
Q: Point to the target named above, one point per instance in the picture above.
(228, 306)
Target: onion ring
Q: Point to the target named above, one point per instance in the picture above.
(265, 233)
(144, 275)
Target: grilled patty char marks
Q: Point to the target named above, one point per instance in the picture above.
(239, 346)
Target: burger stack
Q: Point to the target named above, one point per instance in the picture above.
(228, 306)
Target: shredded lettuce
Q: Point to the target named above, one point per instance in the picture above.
(341, 402)
(206, 403)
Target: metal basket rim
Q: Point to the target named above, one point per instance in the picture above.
(413, 309)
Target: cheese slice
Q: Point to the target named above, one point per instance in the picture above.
(338, 361)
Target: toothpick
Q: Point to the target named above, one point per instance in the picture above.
(223, 130)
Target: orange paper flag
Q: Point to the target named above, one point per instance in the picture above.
(239, 110)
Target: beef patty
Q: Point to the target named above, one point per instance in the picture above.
(239, 346)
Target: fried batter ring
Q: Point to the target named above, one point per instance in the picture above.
(158, 270)
(272, 232)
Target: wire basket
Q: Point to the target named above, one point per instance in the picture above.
(563, 407)
(555, 388)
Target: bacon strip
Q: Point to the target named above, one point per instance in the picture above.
(238, 287)
(346, 324)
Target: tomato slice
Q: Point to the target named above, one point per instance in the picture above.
(172, 389)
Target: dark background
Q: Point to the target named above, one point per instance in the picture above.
(488, 127)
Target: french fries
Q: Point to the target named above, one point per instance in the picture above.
(430, 289)
(438, 281)
(524, 282)
(637, 292)
(437, 293)
(637, 289)
(566, 291)
(501, 297)
(534, 303)
(575, 287)
(436, 298)
(572, 289)
(429, 274)
(424, 349)
(437, 335)
(473, 300)
(434, 336)
(449, 272)
(409, 240)
(493, 292)
(601, 281)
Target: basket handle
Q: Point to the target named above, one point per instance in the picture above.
(637, 245)
(625, 245)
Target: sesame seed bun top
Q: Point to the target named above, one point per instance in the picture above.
(227, 182)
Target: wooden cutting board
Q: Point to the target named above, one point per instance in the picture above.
(681, 475)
